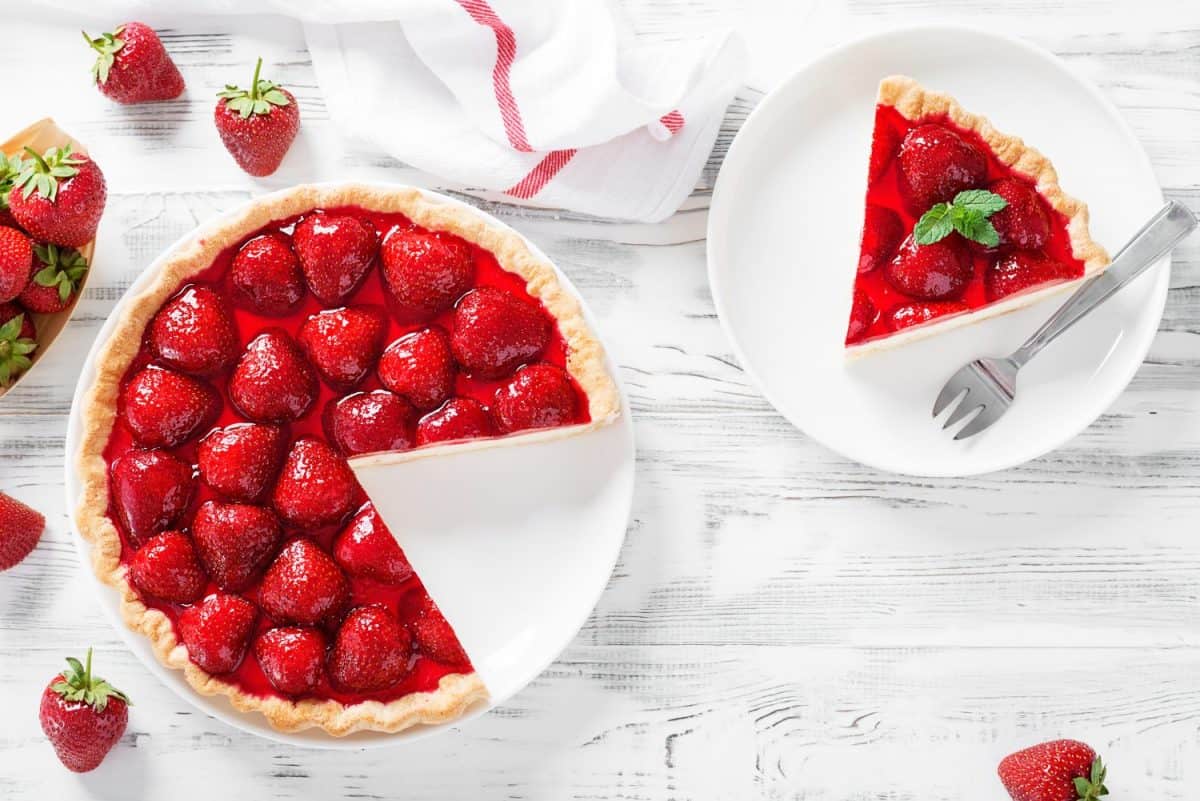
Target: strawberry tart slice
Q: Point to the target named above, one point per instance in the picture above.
(962, 223)
(320, 327)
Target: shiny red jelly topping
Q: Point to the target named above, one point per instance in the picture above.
(877, 300)
(408, 598)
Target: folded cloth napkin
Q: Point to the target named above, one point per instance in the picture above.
(549, 103)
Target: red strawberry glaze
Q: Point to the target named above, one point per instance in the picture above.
(891, 126)
(406, 598)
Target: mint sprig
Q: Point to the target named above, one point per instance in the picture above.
(968, 214)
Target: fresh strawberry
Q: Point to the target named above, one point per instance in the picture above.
(936, 164)
(17, 342)
(82, 715)
(167, 567)
(163, 408)
(371, 651)
(420, 367)
(425, 272)
(20, 529)
(365, 548)
(59, 197)
(938, 271)
(457, 419)
(242, 460)
(235, 541)
(265, 276)
(316, 487)
(273, 382)
(1024, 222)
(884, 144)
(292, 658)
(495, 332)
(194, 332)
(257, 125)
(16, 262)
(434, 636)
(882, 231)
(538, 396)
(151, 491)
(216, 631)
(303, 585)
(367, 422)
(132, 66)
(863, 315)
(1061, 770)
(57, 275)
(909, 314)
(336, 252)
(343, 344)
(1022, 270)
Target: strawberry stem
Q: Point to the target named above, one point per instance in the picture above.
(254, 80)
(87, 669)
(91, 43)
(38, 157)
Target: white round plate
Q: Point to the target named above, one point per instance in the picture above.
(545, 581)
(783, 237)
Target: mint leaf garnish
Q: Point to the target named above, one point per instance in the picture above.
(980, 200)
(968, 214)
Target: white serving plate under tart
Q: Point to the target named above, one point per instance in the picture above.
(517, 571)
(783, 236)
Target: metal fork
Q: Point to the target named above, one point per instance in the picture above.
(990, 384)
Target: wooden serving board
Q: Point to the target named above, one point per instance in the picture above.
(41, 136)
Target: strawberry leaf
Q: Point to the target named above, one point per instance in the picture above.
(106, 46)
(259, 99)
(78, 684)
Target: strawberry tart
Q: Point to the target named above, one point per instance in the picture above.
(962, 223)
(270, 351)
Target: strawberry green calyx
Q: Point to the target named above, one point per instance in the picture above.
(43, 172)
(14, 350)
(1091, 787)
(63, 268)
(106, 46)
(968, 214)
(10, 168)
(260, 98)
(78, 684)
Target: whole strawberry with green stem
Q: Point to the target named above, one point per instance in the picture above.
(57, 274)
(58, 196)
(132, 66)
(83, 715)
(1060, 770)
(16, 346)
(257, 125)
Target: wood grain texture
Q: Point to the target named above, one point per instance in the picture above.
(782, 623)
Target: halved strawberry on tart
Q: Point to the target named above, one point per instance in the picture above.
(962, 223)
(319, 325)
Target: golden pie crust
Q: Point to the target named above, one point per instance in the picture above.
(585, 361)
(915, 103)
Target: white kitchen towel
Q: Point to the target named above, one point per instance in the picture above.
(550, 103)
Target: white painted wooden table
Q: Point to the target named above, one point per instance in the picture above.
(782, 623)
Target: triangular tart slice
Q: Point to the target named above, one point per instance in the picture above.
(962, 223)
(266, 353)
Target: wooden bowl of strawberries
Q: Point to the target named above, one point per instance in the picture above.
(51, 198)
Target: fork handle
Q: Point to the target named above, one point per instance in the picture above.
(1165, 229)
